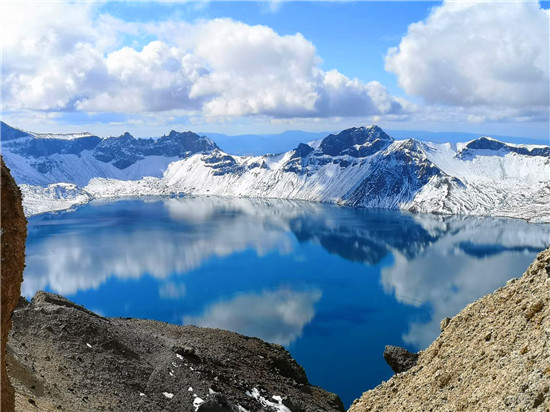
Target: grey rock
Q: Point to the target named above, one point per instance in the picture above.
(399, 359)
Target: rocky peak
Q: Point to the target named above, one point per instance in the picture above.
(181, 142)
(486, 143)
(356, 142)
(80, 358)
(302, 151)
(127, 136)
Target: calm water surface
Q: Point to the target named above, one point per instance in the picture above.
(333, 285)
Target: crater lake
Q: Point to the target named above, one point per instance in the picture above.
(333, 285)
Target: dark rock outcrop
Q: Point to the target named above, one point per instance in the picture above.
(13, 236)
(399, 359)
(63, 356)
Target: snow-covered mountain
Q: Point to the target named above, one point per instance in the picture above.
(42, 159)
(360, 167)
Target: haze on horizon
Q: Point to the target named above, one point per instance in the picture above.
(266, 67)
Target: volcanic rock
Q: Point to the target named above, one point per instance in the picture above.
(62, 356)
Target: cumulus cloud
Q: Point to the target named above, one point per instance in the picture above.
(475, 54)
(50, 55)
(157, 78)
(70, 57)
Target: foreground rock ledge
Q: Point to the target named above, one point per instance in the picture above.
(493, 356)
(64, 357)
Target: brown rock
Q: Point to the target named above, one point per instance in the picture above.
(12, 238)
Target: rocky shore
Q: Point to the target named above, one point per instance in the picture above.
(493, 356)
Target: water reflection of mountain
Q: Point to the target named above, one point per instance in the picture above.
(363, 235)
(368, 236)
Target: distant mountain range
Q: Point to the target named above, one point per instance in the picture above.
(359, 167)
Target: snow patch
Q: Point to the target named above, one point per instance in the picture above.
(197, 402)
(276, 406)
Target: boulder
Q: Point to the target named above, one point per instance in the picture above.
(399, 359)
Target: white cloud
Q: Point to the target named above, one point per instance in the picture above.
(69, 57)
(476, 54)
(157, 78)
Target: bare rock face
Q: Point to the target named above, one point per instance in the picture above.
(399, 359)
(493, 356)
(64, 357)
(12, 237)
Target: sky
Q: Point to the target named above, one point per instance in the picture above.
(266, 67)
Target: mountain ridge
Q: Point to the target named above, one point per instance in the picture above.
(358, 167)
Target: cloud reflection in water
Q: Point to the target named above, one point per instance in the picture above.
(440, 262)
(274, 316)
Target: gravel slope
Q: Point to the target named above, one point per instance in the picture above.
(63, 357)
(493, 356)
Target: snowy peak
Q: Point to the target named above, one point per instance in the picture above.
(126, 150)
(361, 167)
(486, 146)
(355, 142)
(44, 147)
(62, 136)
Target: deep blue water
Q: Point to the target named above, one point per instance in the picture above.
(333, 285)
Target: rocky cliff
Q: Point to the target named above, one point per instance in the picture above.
(493, 356)
(12, 238)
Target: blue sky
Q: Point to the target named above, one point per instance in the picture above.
(266, 67)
